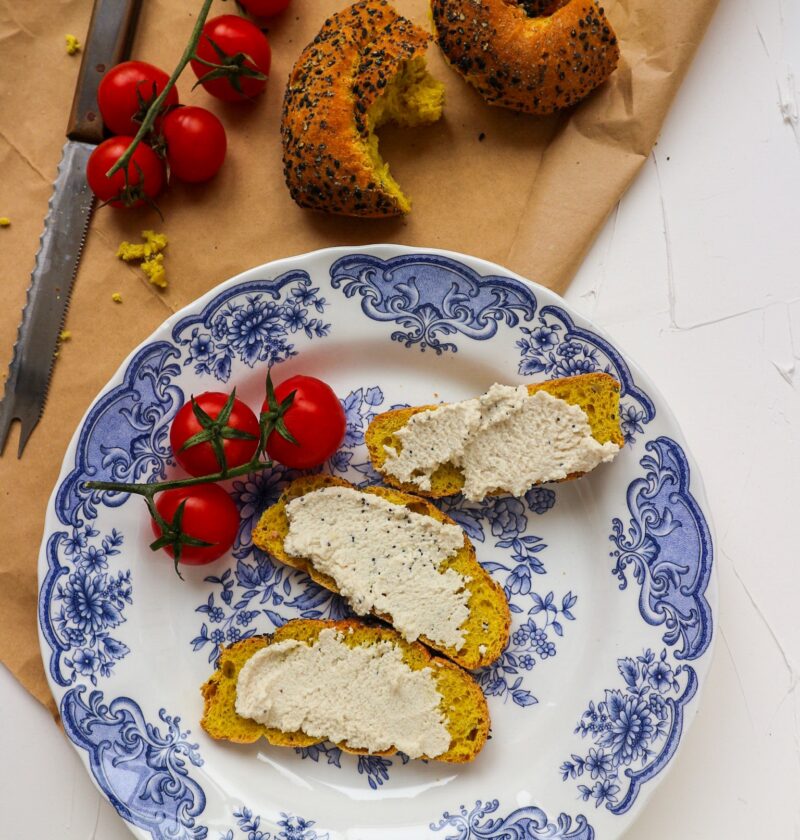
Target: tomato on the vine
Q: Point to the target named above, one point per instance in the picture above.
(210, 423)
(315, 419)
(145, 172)
(265, 8)
(209, 515)
(127, 90)
(241, 56)
(196, 143)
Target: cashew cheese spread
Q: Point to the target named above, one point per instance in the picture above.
(384, 558)
(364, 696)
(506, 440)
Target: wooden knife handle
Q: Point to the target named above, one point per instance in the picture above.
(108, 42)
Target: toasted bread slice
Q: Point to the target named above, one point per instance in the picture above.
(596, 393)
(463, 705)
(487, 626)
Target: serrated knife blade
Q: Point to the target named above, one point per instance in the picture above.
(65, 227)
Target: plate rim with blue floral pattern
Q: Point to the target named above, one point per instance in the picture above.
(610, 580)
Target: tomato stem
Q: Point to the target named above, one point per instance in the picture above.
(154, 109)
(149, 490)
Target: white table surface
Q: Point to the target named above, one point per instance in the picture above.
(696, 275)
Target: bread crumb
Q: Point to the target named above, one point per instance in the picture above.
(5, 221)
(129, 252)
(64, 335)
(154, 243)
(154, 269)
(73, 44)
(116, 297)
(149, 252)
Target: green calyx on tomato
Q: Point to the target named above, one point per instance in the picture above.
(194, 525)
(232, 59)
(233, 67)
(174, 537)
(272, 414)
(215, 430)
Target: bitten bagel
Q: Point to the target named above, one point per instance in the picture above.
(366, 67)
(531, 55)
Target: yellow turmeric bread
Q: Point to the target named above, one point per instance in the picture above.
(597, 394)
(462, 706)
(366, 67)
(486, 628)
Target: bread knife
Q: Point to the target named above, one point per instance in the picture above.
(109, 40)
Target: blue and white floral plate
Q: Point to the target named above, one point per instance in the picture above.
(609, 578)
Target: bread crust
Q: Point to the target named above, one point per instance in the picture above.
(468, 724)
(537, 64)
(324, 126)
(448, 480)
(270, 532)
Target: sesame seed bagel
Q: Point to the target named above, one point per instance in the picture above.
(530, 55)
(366, 67)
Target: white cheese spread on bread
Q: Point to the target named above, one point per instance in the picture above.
(364, 696)
(504, 441)
(385, 559)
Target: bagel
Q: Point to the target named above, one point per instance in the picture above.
(366, 67)
(534, 56)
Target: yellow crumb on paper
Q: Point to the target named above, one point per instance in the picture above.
(5, 221)
(64, 335)
(154, 269)
(149, 253)
(73, 44)
(130, 251)
(116, 297)
(154, 242)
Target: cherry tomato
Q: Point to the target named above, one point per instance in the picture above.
(201, 459)
(265, 8)
(126, 91)
(142, 185)
(236, 43)
(315, 419)
(196, 143)
(209, 515)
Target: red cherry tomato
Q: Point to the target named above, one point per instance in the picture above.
(232, 41)
(209, 515)
(200, 459)
(145, 173)
(265, 8)
(127, 90)
(196, 143)
(315, 419)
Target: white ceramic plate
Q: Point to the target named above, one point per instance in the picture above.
(609, 578)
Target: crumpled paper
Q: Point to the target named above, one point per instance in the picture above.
(530, 193)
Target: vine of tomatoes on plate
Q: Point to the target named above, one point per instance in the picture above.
(231, 58)
(216, 436)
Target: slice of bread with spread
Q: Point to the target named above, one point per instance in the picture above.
(409, 565)
(595, 394)
(361, 685)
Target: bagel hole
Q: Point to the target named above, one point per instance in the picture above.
(541, 8)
